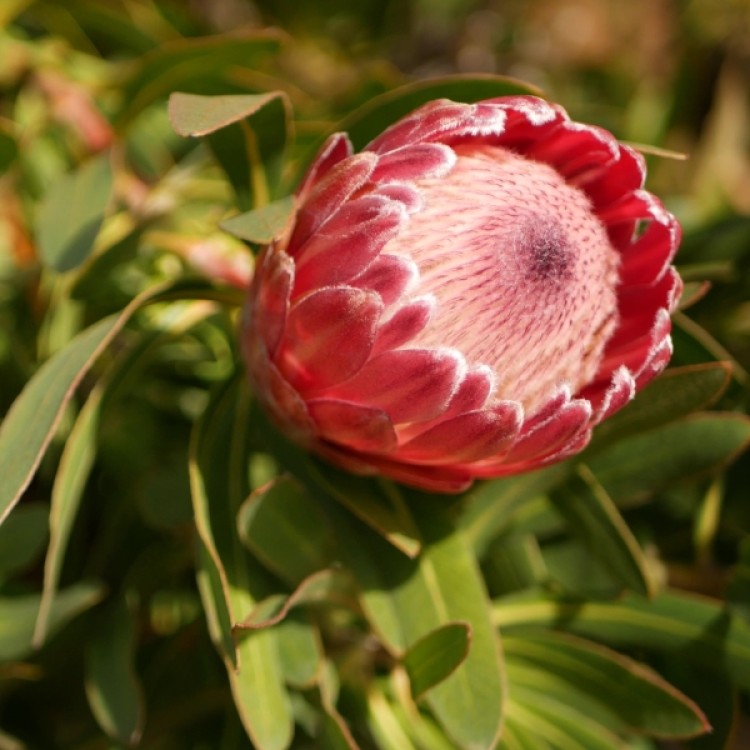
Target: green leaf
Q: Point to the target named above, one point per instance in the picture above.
(443, 585)
(300, 649)
(247, 134)
(513, 563)
(80, 448)
(549, 720)
(593, 517)
(231, 582)
(199, 65)
(286, 529)
(675, 394)
(611, 688)
(19, 615)
(436, 656)
(379, 504)
(491, 505)
(71, 214)
(370, 120)
(34, 416)
(695, 345)
(700, 630)
(264, 224)
(697, 445)
(22, 537)
(112, 687)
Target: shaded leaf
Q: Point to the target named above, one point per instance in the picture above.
(22, 537)
(380, 505)
(80, 448)
(199, 65)
(593, 517)
(696, 445)
(435, 656)
(71, 214)
(19, 615)
(491, 505)
(33, 417)
(676, 393)
(112, 687)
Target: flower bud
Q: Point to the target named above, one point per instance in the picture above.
(467, 297)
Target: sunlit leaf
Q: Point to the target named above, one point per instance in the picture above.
(700, 630)
(262, 225)
(441, 586)
(613, 689)
(231, 582)
(248, 135)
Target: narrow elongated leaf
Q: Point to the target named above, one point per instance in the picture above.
(80, 448)
(593, 517)
(613, 689)
(32, 419)
(701, 630)
(22, 537)
(433, 658)
(677, 393)
(638, 465)
(492, 504)
(71, 214)
(231, 582)
(513, 563)
(112, 687)
(19, 615)
(548, 720)
(389, 730)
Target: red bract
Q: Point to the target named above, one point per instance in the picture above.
(467, 297)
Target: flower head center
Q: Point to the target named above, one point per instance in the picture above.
(522, 269)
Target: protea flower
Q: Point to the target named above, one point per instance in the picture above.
(467, 297)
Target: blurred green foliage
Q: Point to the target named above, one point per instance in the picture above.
(156, 546)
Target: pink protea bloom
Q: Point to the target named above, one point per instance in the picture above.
(467, 297)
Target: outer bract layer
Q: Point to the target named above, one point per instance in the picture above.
(467, 297)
